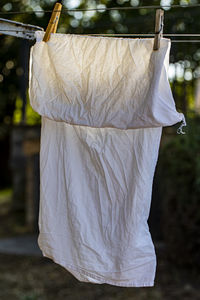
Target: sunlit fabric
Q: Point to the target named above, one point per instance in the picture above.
(103, 103)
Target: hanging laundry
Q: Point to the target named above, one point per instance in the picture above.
(103, 103)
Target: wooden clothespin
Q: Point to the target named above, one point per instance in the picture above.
(53, 23)
(158, 28)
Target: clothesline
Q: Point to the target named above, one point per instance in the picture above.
(149, 34)
(153, 34)
(134, 35)
(185, 41)
(118, 34)
(66, 10)
(128, 34)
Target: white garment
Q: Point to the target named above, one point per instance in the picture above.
(96, 179)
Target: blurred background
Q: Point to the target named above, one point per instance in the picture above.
(175, 211)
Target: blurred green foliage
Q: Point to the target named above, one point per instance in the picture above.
(179, 170)
(32, 118)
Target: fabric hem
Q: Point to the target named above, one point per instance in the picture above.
(82, 272)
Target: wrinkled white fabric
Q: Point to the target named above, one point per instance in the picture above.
(102, 82)
(103, 103)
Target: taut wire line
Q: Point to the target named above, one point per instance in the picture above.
(66, 10)
(122, 34)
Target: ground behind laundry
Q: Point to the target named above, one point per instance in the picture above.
(26, 275)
